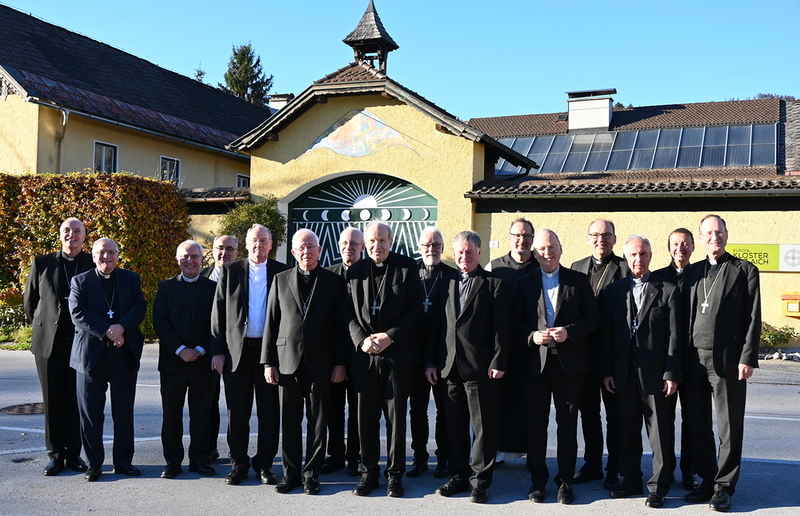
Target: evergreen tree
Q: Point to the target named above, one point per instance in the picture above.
(245, 78)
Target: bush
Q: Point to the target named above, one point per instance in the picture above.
(237, 221)
(773, 338)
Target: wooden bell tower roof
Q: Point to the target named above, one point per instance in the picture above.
(370, 40)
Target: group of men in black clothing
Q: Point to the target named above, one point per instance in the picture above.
(494, 345)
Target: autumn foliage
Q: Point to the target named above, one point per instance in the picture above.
(147, 219)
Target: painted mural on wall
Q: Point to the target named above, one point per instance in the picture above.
(359, 200)
(357, 134)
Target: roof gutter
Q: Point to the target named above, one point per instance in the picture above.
(772, 192)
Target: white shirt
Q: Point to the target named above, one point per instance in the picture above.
(257, 300)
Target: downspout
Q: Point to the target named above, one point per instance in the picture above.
(60, 137)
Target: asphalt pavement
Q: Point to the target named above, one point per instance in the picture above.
(768, 483)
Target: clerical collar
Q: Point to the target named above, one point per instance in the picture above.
(718, 261)
(378, 264)
(430, 268)
(258, 265)
(68, 257)
(551, 274)
(345, 266)
(104, 276)
(602, 261)
(465, 275)
(306, 273)
(190, 280)
(643, 279)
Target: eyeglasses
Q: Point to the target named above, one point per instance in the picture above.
(190, 257)
(305, 248)
(604, 236)
(524, 236)
(431, 245)
(225, 248)
(351, 245)
(261, 241)
(709, 234)
(550, 248)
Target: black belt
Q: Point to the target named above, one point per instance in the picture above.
(252, 342)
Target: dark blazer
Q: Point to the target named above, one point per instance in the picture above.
(206, 271)
(229, 313)
(617, 269)
(576, 310)
(670, 273)
(477, 339)
(660, 339)
(88, 307)
(737, 329)
(338, 269)
(316, 338)
(182, 317)
(45, 297)
(401, 310)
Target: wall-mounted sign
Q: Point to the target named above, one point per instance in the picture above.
(769, 257)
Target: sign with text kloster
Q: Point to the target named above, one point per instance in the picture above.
(769, 257)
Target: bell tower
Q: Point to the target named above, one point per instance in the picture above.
(370, 41)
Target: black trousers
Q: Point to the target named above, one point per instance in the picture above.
(340, 447)
(62, 423)
(475, 404)
(386, 390)
(240, 387)
(418, 416)
(213, 414)
(658, 414)
(592, 425)
(116, 368)
(296, 391)
(729, 397)
(565, 390)
(176, 388)
(687, 466)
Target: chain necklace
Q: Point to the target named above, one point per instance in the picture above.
(707, 293)
(427, 303)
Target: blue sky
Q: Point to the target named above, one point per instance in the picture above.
(472, 58)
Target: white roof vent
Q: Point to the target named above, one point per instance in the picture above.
(590, 109)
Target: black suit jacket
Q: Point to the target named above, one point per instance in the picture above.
(207, 271)
(576, 310)
(400, 313)
(229, 313)
(45, 298)
(737, 328)
(660, 339)
(317, 338)
(88, 307)
(476, 339)
(182, 317)
(617, 269)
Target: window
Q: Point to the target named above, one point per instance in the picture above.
(170, 170)
(105, 157)
(242, 181)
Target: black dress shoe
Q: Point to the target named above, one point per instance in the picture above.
(311, 486)
(171, 471)
(352, 469)
(365, 486)
(611, 481)
(565, 494)
(237, 475)
(690, 483)
(720, 502)
(701, 495)
(626, 489)
(479, 495)
(536, 494)
(332, 464)
(202, 468)
(454, 486)
(214, 455)
(586, 475)
(654, 500)
(76, 464)
(268, 477)
(92, 474)
(442, 470)
(395, 488)
(54, 467)
(417, 468)
(127, 470)
(287, 484)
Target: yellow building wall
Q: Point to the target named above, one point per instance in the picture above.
(443, 165)
(18, 135)
(743, 228)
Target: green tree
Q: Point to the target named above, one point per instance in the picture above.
(199, 73)
(245, 78)
(237, 221)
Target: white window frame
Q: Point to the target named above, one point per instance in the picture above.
(114, 165)
(241, 179)
(161, 172)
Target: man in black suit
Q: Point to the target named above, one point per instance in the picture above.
(513, 438)
(383, 310)
(238, 319)
(303, 352)
(351, 246)
(107, 306)
(182, 321)
(225, 250)
(431, 274)
(555, 312)
(46, 306)
(722, 296)
(644, 336)
(467, 347)
(603, 268)
(680, 245)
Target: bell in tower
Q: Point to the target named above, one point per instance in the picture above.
(370, 41)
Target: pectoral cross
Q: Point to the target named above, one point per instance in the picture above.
(634, 326)
(704, 304)
(375, 307)
(427, 303)
(110, 313)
